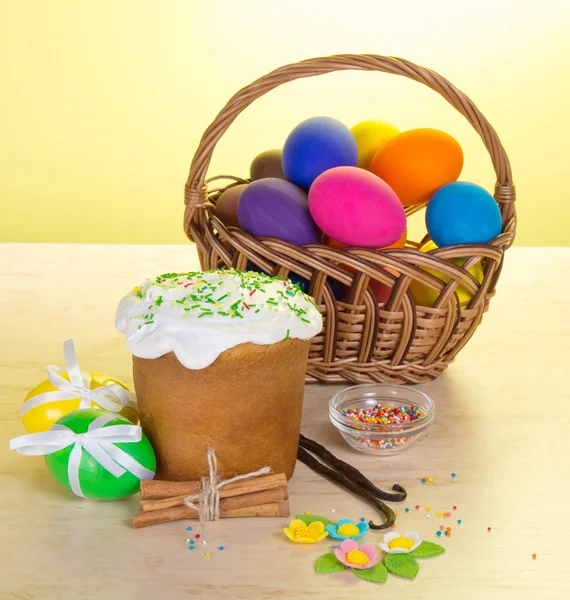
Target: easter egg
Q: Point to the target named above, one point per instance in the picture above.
(416, 163)
(277, 208)
(314, 146)
(43, 416)
(95, 481)
(463, 213)
(226, 206)
(380, 290)
(399, 243)
(266, 164)
(369, 136)
(424, 295)
(356, 208)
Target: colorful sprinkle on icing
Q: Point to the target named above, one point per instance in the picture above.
(182, 307)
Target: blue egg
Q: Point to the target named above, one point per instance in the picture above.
(300, 281)
(314, 146)
(463, 213)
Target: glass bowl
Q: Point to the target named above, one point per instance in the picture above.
(377, 438)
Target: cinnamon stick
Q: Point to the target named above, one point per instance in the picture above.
(155, 517)
(157, 489)
(275, 509)
(237, 506)
(148, 505)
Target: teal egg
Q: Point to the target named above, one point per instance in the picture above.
(462, 213)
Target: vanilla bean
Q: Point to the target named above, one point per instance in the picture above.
(342, 480)
(349, 471)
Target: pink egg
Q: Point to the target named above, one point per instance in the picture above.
(356, 208)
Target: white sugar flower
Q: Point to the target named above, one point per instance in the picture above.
(394, 543)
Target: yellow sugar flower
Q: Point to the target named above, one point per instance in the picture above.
(300, 532)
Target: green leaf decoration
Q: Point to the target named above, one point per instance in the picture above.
(426, 550)
(377, 573)
(402, 565)
(328, 563)
(308, 519)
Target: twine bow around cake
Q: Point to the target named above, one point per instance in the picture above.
(207, 501)
(112, 396)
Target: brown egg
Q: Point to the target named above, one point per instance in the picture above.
(267, 164)
(226, 206)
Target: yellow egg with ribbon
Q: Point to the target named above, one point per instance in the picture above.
(72, 389)
(424, 295)
(369, 136)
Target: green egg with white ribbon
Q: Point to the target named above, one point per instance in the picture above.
(94, 453)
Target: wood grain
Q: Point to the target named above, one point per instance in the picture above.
(502, 422)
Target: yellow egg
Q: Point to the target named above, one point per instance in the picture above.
(42, 417)
(369, 136)
(424, 295)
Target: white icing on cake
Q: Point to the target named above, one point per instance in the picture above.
(200, 315)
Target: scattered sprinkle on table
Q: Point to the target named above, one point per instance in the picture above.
(488, 529)
(207, 554)
(188, 528)
(438, 533)
(407, 510)
(534, 557)
(459, 521)
(453, 475)
(221, 548)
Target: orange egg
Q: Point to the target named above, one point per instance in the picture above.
(381, 290)
(418, 162)
(328, 241)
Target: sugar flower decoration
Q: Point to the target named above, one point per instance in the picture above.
(345, 529)
(394, 543)
(352, 556)
(300, 532)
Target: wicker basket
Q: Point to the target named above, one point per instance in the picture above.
(363, 341)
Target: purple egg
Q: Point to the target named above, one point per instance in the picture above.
(277, 208)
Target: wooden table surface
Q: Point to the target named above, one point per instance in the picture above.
(502, 424)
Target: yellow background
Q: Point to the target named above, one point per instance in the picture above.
(103, 103)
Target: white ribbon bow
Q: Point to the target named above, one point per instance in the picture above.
(111, 397)
(99, 441)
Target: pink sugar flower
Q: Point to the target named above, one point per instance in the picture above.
(352, 556)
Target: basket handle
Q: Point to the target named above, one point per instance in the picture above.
(195, 191)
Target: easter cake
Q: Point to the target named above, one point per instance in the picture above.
(219, 362)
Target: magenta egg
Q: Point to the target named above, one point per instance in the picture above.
(356, 207)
